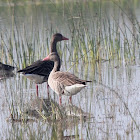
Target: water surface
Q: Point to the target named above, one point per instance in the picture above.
(103, 46)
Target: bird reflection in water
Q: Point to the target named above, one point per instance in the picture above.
(60, 118)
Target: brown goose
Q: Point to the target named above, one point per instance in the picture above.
(63, 83)
(39, 71)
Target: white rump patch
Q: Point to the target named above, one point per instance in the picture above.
(72, 90)
(36, 78)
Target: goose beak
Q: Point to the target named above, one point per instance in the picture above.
(64, 38)
(46, 58)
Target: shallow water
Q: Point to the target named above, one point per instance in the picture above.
(112, 102)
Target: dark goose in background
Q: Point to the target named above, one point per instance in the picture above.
(39, 71)
(6, 71)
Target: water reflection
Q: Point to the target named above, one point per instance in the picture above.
(49, 109)
(59, 118)
(100, 32)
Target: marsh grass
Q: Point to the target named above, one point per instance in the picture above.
(96, 37)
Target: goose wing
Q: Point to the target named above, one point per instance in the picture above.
(67, 79)
(39, 67)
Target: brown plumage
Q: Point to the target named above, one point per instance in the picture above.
(67, 79)
(64, 82)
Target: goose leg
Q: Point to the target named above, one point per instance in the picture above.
(70, 99)
(36, 90)
(60, 100)
(48, 89)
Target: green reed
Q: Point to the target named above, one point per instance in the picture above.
(95, 37)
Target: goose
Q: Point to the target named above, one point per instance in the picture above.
(63, 83)
(5, 69)
(39, 71)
